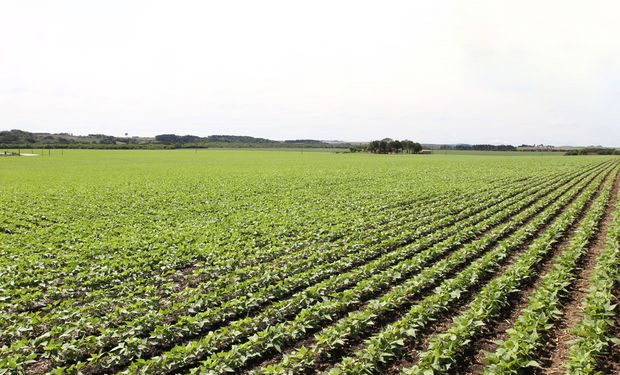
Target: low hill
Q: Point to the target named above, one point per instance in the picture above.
(23, 139)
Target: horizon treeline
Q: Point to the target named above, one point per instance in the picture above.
(479, 147)
(19, 139)
(23, 139)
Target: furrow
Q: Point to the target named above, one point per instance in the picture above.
(446, 348)
(390, 341)
(225, 360)
(332, 341)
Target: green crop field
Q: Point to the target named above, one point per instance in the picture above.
(293, 262)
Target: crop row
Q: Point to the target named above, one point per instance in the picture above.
(306, 319)
(30, 283)
(281, 335)
(599, 308)
(48, 343)
(333, 283)
(41, 277)
(393, 338)
(85, 344)
(144, 287)
(444, 349)
(339, 335)
(218, 271)
(64, 312)
(518, 351)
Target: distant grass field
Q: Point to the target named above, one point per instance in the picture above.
(499, 153)
(215, 261)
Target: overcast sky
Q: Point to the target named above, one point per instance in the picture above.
(534, 71)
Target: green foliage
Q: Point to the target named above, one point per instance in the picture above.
(519, 349)
(23, 139)
(593, 332)
(169, 261)
(391, 146)
(444, 348)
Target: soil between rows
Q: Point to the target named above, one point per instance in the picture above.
(349, 268)
(555, 353)
(159, 350)
(170, 319)
(358, 343)
(474, 359)
(470, 359)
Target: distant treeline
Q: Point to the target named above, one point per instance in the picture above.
(594, 151)
(23, 139)
(393, 146)
(171, 139)
(19, 139)
(481, 147)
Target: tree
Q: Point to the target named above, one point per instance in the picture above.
(373, 147)
(395, 146)
(108, 140)
(167, 138)
(389, 145)
(384, 146)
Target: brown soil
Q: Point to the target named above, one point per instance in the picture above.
(39, 367)
(183, 278)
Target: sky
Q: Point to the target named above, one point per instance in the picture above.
(436, 71)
